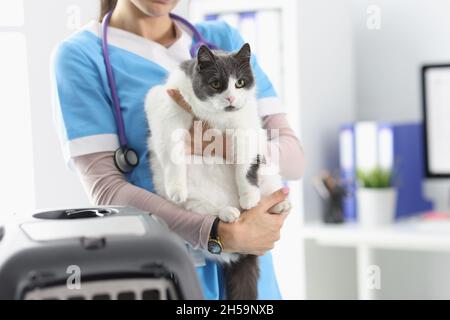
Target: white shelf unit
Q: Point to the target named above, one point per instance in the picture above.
(289, 263)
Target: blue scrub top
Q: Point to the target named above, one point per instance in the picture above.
(85, 119)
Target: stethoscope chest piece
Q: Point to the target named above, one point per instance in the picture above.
(126, 159)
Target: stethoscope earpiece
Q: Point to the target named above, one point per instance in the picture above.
(126, 159)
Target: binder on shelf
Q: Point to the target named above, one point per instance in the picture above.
(396, 147)
(409, 169)
(348, 171)
(211, 17)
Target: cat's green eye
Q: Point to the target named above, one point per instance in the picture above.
(215, 84)
(240, 83)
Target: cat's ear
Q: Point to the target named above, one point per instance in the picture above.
(245, 53)
(205, 57)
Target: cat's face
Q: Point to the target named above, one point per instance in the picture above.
(224, 81)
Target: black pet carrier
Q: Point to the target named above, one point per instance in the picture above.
(94, 254)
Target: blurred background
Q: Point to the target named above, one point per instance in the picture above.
(373, 122)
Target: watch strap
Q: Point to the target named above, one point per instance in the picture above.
(213, 234)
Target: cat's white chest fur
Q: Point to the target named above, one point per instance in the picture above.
(206, 187)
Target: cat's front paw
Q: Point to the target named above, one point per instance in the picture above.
(250, 199)
(176, 192)
(283, 207)
(229, 214)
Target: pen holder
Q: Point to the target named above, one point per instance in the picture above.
(333, 209)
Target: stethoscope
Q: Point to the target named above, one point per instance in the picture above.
(126, 158)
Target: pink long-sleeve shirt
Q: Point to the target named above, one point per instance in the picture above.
(106, 185)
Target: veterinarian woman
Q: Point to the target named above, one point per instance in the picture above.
(144, 43)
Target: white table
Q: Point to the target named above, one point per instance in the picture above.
(412, 234)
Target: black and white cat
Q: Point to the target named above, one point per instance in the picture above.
(220, 88)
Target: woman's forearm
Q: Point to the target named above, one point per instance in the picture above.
(106, 185)
(285, 143)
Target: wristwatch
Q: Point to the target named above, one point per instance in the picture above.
(214, 243)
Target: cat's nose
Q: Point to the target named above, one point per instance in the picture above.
(230, 99)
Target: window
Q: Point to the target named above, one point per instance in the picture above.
(16, 161)
(11, 13)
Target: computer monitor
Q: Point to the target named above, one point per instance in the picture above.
(436, 119)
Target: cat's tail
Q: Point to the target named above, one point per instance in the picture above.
(242, 278)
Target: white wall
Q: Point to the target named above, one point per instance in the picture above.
(387, 69)
(387, 61)
(327, 101)
(327, 86)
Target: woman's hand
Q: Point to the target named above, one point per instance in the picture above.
(197, 130)
(257, 230)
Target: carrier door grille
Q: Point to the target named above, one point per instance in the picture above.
(113, 289)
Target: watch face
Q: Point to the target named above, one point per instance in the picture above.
(214, 247)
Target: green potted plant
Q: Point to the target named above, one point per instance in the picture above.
(376, 197)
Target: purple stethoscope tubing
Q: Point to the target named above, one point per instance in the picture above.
(110, 75)
(112, 83)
